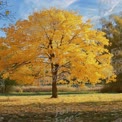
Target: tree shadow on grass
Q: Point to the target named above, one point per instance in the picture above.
(45, 93)
(65, 112)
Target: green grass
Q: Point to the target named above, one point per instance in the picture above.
(44, 93)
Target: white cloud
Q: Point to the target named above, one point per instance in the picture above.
(105, 7)
(35, 5)
(108, 6)
(69, 2)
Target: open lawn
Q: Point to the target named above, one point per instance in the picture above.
(67, 108)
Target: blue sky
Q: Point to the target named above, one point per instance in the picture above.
(90, 9)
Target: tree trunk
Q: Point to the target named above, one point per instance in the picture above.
(54, 90)
(54, 81)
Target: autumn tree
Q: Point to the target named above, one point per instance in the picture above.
(60, 42)
(113, 29)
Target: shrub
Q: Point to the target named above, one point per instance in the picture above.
(7, 85)
(45, 88)
(114, 87)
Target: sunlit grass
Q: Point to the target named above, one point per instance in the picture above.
(76, 98)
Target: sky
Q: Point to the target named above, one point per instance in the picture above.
(89, 9)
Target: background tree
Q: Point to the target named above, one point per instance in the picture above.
(69, 48)
(113, 29)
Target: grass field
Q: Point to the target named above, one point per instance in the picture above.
(93, 107)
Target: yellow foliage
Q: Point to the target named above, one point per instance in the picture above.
(59, 39)
(6, 75)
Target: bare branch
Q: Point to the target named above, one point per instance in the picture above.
(62, 39)
(73, 37)
(5, 14)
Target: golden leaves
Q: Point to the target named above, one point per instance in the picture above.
(57, 36)
(5, 75)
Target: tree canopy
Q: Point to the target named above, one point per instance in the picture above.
(59, 43)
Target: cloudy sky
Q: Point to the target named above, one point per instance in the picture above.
(93, 9)
(87, 8)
